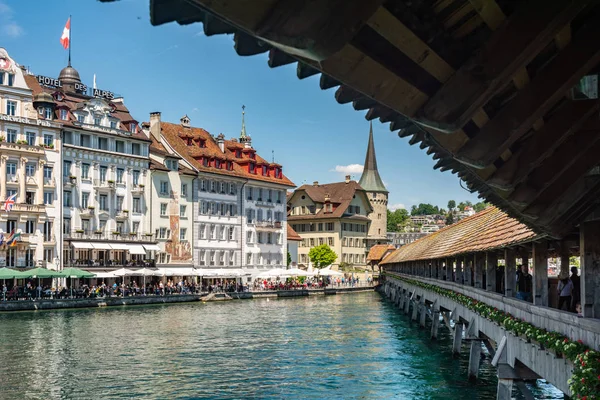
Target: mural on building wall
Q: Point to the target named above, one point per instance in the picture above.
(179, 251)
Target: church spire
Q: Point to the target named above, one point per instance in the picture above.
(243, 133)
(370, 179)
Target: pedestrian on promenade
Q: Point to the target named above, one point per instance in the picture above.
(565, 291)
(524, 283)
(575, 278)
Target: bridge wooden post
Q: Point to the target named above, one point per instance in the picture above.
(422, 313)
(457, 343)
(468, 267)
(540, 273)
(564, 259)
(474, 359)
(478, 262)
(491, 263)
(449, 270)
(406, 302)
(415, 309)
(510, 271)
(458, 276)
(590, 268)
(504, 389)
(435, 322)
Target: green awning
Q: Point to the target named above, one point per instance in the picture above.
(42, 273)
(76, 273)
(7, 273)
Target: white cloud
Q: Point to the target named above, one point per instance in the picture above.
(397, 206)
(9, 26)
(349, 169)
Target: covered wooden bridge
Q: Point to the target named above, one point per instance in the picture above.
(502, 93)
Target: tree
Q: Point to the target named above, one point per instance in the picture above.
(322, 256)
(396, 219)
(424, 209)
(450, 219)
(451, 205)
(480, 206)
(461, 206)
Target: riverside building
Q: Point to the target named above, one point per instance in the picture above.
(104, 174)
(239, 219)
(30, 171)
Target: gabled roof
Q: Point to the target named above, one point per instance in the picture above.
(340, 196)
(379, 251)
(175, 134)
(487, 230)
(292, 235)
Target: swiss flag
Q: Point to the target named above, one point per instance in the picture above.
(66, 35)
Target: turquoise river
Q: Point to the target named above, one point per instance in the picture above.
(322, 347)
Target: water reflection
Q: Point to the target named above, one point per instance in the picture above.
(345, 346)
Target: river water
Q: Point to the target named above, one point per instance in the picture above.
(338, 347)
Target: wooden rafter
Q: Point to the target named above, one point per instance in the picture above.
(511, 47)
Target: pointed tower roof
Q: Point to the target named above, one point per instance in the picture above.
(370, 179)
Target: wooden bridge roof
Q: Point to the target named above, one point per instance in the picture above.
(489, 229)
(492, 89)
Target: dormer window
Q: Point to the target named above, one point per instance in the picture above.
(265, 170)
(11, 79)
(190, 142)
(48, 113)
(97, 121)
(229, 165)
(202, 143)
(173, 165)
(253, 156)
(80, 118)
(238, 153)
(132, 127)
(205, 161)
(64, 114)
(113, 124)
(251, 168)
(218, 164)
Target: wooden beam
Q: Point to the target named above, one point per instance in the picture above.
(576, 201)
(568, 155)
(567, 120)
(490, 12)
(278, 58)
(246, 45)
(534, 100)
(512, 46)
(314, 29)
(215, 26)
(328, 82)
(304, 71)
(346, 94)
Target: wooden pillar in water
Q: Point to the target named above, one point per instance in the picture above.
(510, 271)
(435, 322)
(422, 313)
(415, 309)
(478, 263)
(540, 273)
(457, 343)
(474, 359)
(491, 263)
(458, 275)
(504, 389)
(590, 268)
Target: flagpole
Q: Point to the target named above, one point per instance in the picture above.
(70, 36)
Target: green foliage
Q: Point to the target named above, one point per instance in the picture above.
(289, 259)
(450, 219)
(397, 219)
(451, 205)
(346, 267)
(322, 256)
(574, 261)
(424, 209)
(480, 206)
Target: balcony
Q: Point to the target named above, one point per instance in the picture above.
(86, 212)
(49, 182)
(49, 238)
(262, 203)
(109, 236)
(268, 225)
(8, 146)
(69, 181)
(123, 214)
(26, 208)
(137, 189)
(12, 179)
(100, 184)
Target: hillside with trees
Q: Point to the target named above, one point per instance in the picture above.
(399, 220)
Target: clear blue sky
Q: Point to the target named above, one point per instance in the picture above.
(177, 70)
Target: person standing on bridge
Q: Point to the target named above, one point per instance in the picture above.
(565, 291)
(524, 283)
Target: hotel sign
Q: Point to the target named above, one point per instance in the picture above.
(79, 87)
(23, 120)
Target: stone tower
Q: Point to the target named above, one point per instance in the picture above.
(378, 196)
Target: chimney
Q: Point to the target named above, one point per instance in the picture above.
(347, 178)
(185, 121)
(221, 142)
(155, 125)
(316, 183)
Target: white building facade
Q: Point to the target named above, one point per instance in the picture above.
(30, 170)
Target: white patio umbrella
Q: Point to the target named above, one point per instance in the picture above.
(144, 272)
(329, 272)
(272, 273)
(298, 272)
(163, 272)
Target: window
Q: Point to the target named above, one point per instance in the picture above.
(120, 226)
(85, 140)
(163, 209)
(80, 118)
(231, 232)
(11, 257)
(279, 192)
(64, 114)
(85, 199)
(11, 135)
(11, 107)
(68, 137)
(222, 187)
(164, 187)
(330, 241)
(103, 200)
(48, 254)
(29, 169)
(120, 173)
(67, 226)
(97, 121)
(47, 173)
(132, 127)
(232, 188)
(213, 231)
(135, 227)
(136, 149)
(30, 137)
(48, 198)
(103, 172)
(103, 143)
(182, 234)
(202, 231)
(120, 146)
(320, 227)
(136, 205)
(85, 171)
(203, 185)
(30, 226)
(249, 237)
(136, 177)
(67, 198)
(182, 210)
(119, 206)
(251, 168)
(113, 124)
(66, 168)
(249, 193)
(249, 216)
(184, 189)
(203, 207)
(162, 233)
(260, 194)
(11, 79)
(48, 140)
(213, 186)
